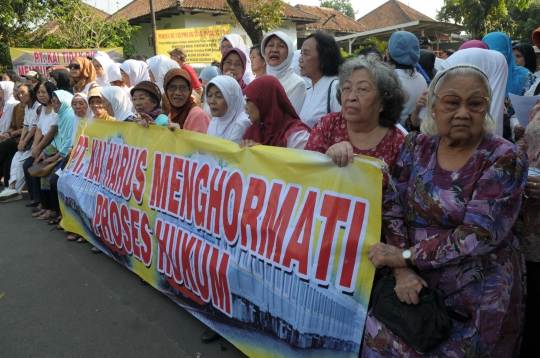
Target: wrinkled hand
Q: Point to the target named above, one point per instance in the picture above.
(145, 120)
(21, 145)
(532, 187)
(382, 255)
(519, 131)
(6, 135)
(39, 158)
(341, 153)
(408, 285)
(246, 143)
(35, 153)
(421, 101)
(172, 126)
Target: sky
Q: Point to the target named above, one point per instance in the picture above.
(427, 7)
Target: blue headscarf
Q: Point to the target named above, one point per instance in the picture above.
(62, 140)
(209, 72)
(517, 75)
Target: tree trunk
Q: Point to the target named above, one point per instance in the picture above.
(255, 34)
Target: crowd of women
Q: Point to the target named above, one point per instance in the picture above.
(460, 204)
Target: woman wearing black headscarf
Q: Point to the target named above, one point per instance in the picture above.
(60, 78)
(525, 56)
(427, 62)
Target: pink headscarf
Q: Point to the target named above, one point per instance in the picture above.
(474, 44)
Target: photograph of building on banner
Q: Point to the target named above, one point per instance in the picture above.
(267, 246)
(28, 59)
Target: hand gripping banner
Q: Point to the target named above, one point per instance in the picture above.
(265, 245)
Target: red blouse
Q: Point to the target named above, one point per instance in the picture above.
(332, 129)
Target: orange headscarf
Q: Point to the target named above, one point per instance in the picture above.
(88, 74)
(179, 114)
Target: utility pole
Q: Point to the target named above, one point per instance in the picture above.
(153, 19)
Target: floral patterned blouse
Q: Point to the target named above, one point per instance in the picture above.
(528, 229)
(332, 129)
(459, 225)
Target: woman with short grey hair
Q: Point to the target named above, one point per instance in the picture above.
(448, 223)
(371, 100)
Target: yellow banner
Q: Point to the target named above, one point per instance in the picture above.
(266, 245)
(28, 59)
(201, 43)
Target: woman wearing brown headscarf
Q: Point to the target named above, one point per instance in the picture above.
(82, 75)
(184, 112)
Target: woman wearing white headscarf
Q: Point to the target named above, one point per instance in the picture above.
(118, 104)
(278, 51)
(494, 65)
(6, 93)
(102, 64)
(133, 72)
(115, 77)
(234, 40)
(226, 101)
(158, 66)
(82, 110)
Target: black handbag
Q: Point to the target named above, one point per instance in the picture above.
(423, 326)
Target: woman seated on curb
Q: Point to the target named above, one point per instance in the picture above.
(46, 128)
(185, 114)
(55, 152)
(28, 99)
(146, 98)
(273, 119)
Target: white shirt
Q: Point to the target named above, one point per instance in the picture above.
(30, 115)
(5, 120)
(438, 62)
(298, 140)
(46, 121)
(316, 101)
(414, 85)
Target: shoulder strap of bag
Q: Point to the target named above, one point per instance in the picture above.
(537, 90)
(328, 97)
(453, 313)
(38, 111)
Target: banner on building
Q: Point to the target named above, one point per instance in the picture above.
(265, 245)
(201, 43)
(28, 59)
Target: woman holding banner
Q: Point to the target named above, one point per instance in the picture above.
(372, 99)
(185, 114)
(273, 119)
(447, 224)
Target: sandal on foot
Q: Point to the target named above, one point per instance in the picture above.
(48, 215)
(95, 250)
(55, 221)
(81, 240)
(73, 237)
(39, 213)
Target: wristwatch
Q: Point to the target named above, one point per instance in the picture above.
(407, 254)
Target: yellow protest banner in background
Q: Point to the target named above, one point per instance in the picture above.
(265, 245)
(27, 59)
(201, 43)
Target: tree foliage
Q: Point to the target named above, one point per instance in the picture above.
(80, 26)
(343, 6)
(18, 19)
(257, 17)
(481, 17)
(526, 21)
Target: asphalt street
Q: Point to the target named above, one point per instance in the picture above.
(57, 299)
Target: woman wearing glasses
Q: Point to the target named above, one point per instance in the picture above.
(371, 100)
(448, 223)
(82, 75)
(233, 63)
(184, 114)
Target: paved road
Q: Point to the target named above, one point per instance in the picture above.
(59, 300)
